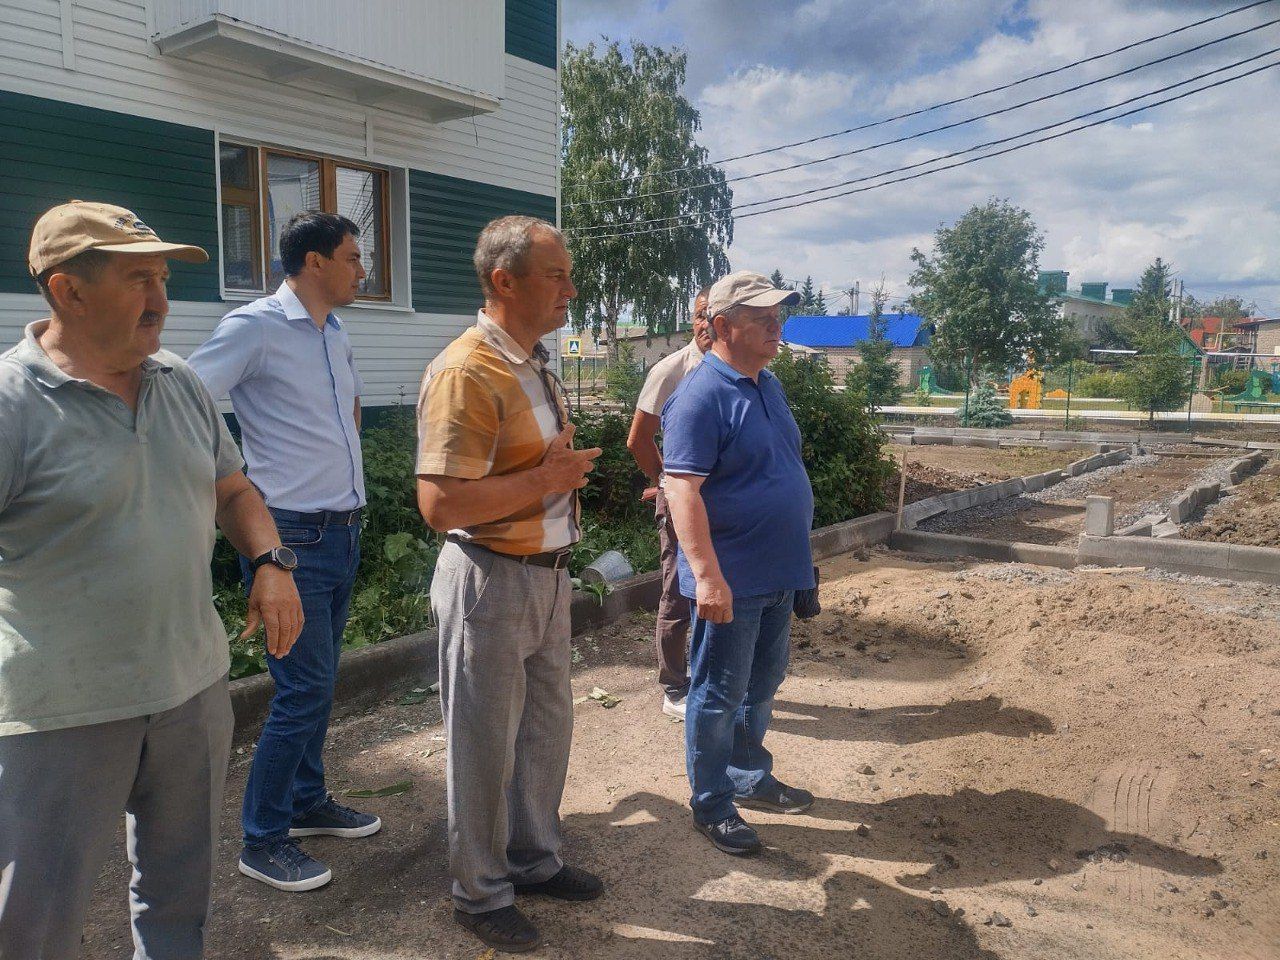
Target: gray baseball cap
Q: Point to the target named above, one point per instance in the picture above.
(746, 289)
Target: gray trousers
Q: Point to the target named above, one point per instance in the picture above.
(61, 796)
(508, 714)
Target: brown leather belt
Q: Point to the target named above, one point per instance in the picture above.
(555, 559)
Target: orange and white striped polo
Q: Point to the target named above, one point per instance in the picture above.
(488, 408)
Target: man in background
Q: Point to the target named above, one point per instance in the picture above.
(673, 609)
(286, 362)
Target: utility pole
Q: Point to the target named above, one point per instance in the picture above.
(855, 293)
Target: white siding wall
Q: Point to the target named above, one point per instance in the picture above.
(117, 68)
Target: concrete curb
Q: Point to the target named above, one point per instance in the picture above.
(1223, 561)
(377, 671)
(950, 545)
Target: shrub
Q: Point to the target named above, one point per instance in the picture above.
(842, 443)
(1233, 381)
(1102, 383)
(985, 408)
(624, 378)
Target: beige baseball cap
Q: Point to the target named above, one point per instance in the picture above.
(78, 225)
(746, 289)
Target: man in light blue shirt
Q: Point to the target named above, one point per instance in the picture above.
(286, 363)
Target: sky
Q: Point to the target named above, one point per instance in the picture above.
(1196, 182)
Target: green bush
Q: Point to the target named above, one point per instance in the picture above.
(843, 447)
(1102, 383)
(624, 378)
(1233, 381)
(985, 408)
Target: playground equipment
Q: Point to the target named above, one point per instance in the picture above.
(1256, 390)
(927, 383)
(1026, 390)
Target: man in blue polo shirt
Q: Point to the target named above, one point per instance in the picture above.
(742, 507)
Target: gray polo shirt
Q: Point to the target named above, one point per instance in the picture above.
(106, 532)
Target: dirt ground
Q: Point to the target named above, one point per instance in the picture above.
(1250, 516)
(934, 470)
(1086, 757)
(1057, 516)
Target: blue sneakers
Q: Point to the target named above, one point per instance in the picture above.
(332, 819)
(283, 866)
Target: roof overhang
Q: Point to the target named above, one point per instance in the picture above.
(281, 57)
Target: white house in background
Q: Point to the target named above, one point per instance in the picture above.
(1087, 307)
(216, 120)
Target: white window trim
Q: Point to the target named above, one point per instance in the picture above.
(398, 257)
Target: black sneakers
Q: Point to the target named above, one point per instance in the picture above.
(731, 836)
(569, 884)
(777, 799)
(505, 929)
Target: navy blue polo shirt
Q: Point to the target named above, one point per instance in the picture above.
(741, 436)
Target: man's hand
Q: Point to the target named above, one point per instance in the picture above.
(715, 600)
(650, 493)
(274, 604)
(565, 468)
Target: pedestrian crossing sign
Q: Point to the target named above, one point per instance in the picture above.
(573, 347)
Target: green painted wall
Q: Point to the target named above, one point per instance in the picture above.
(445, 217)
(52, 151)
(531, 30)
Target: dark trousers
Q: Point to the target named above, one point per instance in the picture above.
(62, 793)
(673, 609)
(287, 778)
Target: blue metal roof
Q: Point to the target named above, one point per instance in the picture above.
(904, 330)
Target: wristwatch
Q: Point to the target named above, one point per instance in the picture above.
(282, 557)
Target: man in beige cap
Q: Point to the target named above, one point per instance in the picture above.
(742, 507)
(114, 466)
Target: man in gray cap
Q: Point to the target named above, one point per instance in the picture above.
(742, 507)
(114, 466)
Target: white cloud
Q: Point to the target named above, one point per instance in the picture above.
(1194, 182)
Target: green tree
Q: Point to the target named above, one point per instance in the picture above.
(985, 408)
(627, 129)
(808, 299)
(1230, 309)
(820, 305)
(1157, 377)
(876, 376)
(842, 446)
(979, 287)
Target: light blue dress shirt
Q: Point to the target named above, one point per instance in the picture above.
(293, 387)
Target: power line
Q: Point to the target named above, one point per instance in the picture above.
(988, 156)
(931, 160)
(932, 130)
(931, 108)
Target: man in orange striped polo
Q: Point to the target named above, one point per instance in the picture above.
(496, 469)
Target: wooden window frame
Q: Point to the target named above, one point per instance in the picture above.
(328, 202)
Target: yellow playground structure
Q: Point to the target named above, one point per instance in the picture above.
(1025, 390)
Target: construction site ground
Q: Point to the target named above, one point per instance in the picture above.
(934, 470)
(1139, 487)
(1250, 515)
(1010, 762)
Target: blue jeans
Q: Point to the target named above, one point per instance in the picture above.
(735, 670)
(287, 777)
